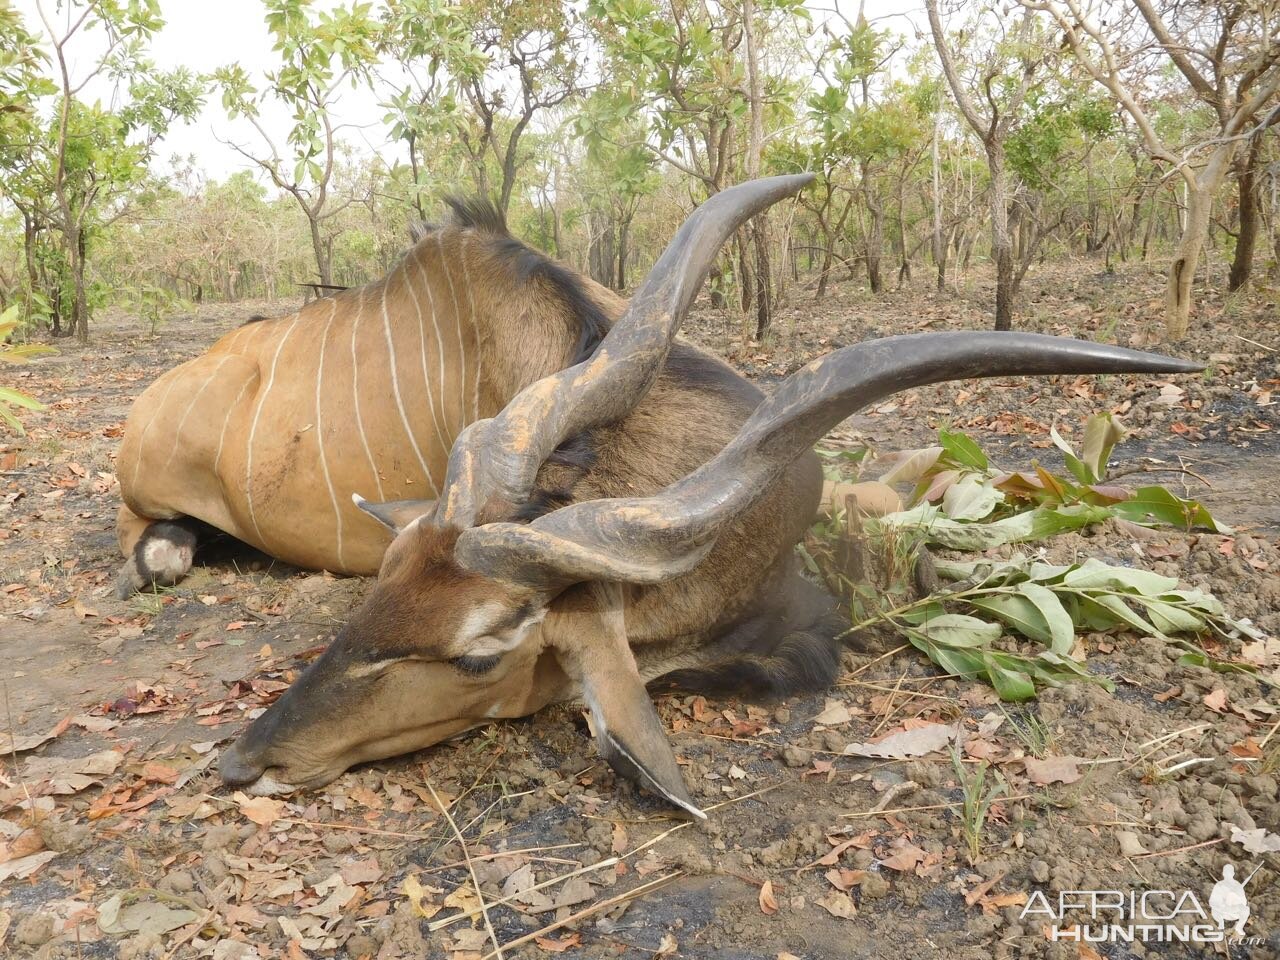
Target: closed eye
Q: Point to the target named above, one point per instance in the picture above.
(475, 666)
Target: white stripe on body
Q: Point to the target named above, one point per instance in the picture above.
(448, 433)
(395, 389)
(422, 346)
(253, 430)
(155, 415)
(177, 432)
(457, 323)
(324, 463)
(355, 390)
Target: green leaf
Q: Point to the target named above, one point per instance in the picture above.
(1199, 658)
(1062, 631)
(912, 467)
(960, 630)
(1093, 574)
(962, 449)
(971, 498)
(1169, 619)
(1012, 686)
(1102, 432)
(1077, 468)
(1156, 504)
(1104, 604)
(18, 399)
(1017, 612)
(960, 663)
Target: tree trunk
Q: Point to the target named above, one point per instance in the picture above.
(1247, 240)
(746, 276)
(764, 278)
(323, 265)
(1001, 244)
(1200, 190)
(1177, 300)
(875, 242)
(624, 233)
(939, 242)
(825, 275)
(715, 281)
(759, 232)
(80, 307)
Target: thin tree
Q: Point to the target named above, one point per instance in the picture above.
(992, 129)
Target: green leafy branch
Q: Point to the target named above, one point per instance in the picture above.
(15, 353)
(956, 485)
(1048, 604)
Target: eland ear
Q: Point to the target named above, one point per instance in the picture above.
(395, 515)
(628, 731)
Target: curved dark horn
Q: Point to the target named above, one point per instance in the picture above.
(652, 539)
(500, 457)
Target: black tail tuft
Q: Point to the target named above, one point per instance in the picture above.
(803, 661)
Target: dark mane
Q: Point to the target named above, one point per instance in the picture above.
(484, 216)
(479, 213)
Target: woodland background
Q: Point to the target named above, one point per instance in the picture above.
(943, 139)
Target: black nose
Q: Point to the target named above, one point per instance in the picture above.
(236, 769)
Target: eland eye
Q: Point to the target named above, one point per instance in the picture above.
(475, 666)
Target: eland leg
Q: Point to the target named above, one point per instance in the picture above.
(157, 552)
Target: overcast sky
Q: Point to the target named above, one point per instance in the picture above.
(206, 34)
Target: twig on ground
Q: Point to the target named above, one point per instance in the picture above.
(890, 708)
(435, 925)
(871, 663)
(583, 914)
(1170, 853)
(471, 869)
(931, 806)
(190, 934)
(1255, 343)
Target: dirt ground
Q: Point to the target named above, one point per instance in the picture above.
(116, 839)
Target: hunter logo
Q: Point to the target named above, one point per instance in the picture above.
(1148, 916)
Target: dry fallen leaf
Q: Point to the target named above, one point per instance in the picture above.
(838, 905)
(261, 810)
(24, 867)
(993, 905)
(1052, 770)
(362, 871)
(908, 743)
(71, 775)
(904, 858)
(416, 893)
(845, 880)
(1217, 700)
(1257, 841)
(833, 714)
(768, 904)
(559, 946)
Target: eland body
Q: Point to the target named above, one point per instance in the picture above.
(569, 503)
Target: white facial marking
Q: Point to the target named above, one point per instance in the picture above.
(482, 643)
(368, 669)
